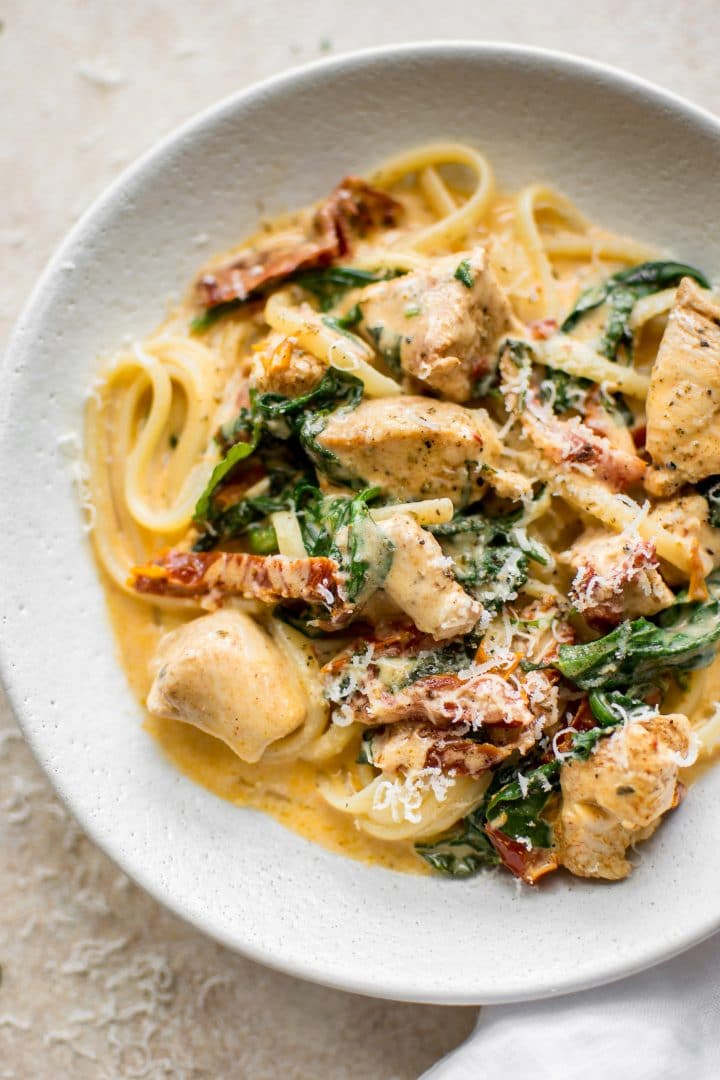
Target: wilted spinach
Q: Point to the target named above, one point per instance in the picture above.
(463, 851)
(621, 292)
(490, 555)
(565, 392)
(273, 422)
(330, 284)
(710, 488)
(642, 653)
(342, 528)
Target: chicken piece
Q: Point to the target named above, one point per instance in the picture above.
(421, 581)
(619, 794)
(268, 578)
(482, 703)
(618, 577)
(511, 712)
(406, 747)
(571, 443)
(283, 367)
(223, 674)
(440, 324)
(683, 403)
(353, 207)
(418, 448)
(688, 518)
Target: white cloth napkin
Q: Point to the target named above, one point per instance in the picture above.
(661, 1025)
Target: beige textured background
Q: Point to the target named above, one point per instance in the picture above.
(97, 980)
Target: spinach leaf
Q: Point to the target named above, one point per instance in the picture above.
(490, 555)
(621, 292)
(210, 316)
(306, 417)
(345, 322)
(389, 344)
(242, 517)
(710, 488)
(341, 528)
(618, 408)
(336, 389)
(515, 807)
(494, 575)
(270, 425)
(462, 852)
(566, 391)
(640, 653)
(506, 529)
(330, 284)
(611, 708)
(235, 454)
(450, 657)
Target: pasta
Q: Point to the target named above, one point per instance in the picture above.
(409, 517)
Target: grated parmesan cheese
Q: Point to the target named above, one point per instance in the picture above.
(404, 796)
(342, 686)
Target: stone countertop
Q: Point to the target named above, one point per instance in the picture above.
(97, 980)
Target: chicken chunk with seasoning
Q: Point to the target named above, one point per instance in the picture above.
(618, 577)
(418, 448)
(441, 324)
(574, 446)
(283, 367)
(683, 403)
(618, 796)
(421, 582)
(408, 747)
(688, 518)
(224, 674)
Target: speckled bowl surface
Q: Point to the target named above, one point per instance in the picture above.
(634, 158)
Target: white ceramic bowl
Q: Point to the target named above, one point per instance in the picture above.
(633, 157)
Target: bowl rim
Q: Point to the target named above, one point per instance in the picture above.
(21, 335)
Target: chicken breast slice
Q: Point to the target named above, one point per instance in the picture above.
(440, 324)
(283, 367)
(688, 518)
(683, 402)
(419, 448)
(574, 446)
(617, 577)
(406, 747)
(421, 581)
(618, 796)
(223, 674)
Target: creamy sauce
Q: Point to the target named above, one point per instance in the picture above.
(287, 791)
(698, 703)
